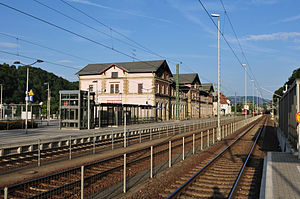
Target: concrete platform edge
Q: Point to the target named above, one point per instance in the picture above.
(263, 180)
(266, 189)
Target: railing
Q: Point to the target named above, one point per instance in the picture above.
(158, 157)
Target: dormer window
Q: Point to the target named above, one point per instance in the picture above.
(114, 75)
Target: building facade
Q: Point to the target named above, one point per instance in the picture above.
(137, 83)
(225, 105)
(206, 100)
(147, 83)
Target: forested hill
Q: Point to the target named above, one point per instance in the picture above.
(13, 80)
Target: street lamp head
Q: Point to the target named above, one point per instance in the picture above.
(39, 61)
(17, 62)
(244, 65)
(215, 15)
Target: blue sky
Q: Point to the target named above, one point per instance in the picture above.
(177, 30)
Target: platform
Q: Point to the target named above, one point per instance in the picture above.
(281, 176)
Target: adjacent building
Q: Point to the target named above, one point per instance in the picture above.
(225, 105)
(206, 100)
(189, 88)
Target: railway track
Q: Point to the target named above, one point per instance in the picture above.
(228, 175)
(104, 174)
(14, 162)
(100, 175)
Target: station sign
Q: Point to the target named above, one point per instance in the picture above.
(298, 117)
(31, 93)
(30, 98)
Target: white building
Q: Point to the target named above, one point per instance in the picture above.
(138, 83)
(225, 105)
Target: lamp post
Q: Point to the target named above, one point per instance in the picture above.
(48, 103)
(245, 90)
(252, 97)
(26, 99)
(1, 103)
(256, 101)
(218, 106)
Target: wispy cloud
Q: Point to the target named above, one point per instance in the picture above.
(261, 2)
(297, 40)
(294, 47)
(273, 36)
(64, 61)
(191, 11)
(197, 20)
(288, 19)
(87, 2)
(9, 45)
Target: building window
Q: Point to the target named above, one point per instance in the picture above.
(140, 88)
(162, 89)
(91, 87)
(114, 88)
(114, 74)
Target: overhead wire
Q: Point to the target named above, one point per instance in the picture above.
(91, 40)
(95, 29)
(74, 33)
(43, 46)
(242, 51)
(32, 58)
(225, 39)
(119, 33)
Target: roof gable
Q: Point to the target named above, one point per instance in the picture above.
(207, 87)
(130, 67)
(190, 78)
(113, 65)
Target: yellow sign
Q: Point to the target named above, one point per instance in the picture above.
(298, 117)
(31, 93)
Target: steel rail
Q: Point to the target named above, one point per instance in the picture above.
(63, 151)
(103, 173)
(88, 166)
(245, 163)
(186, 183)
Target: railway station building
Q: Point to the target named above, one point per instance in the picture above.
(148, 87)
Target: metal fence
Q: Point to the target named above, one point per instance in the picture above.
(102, 180)
(288, 107)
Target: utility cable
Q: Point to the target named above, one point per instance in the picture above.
(46, 47)
(27, 57)
(234, 53)
(225, 11)
(117, 32)
(74, 33)
(101, 32)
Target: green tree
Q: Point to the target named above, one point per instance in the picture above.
(292, 78)
(14, 85)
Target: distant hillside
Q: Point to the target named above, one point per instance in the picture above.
(13, 80)
(249, 99)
